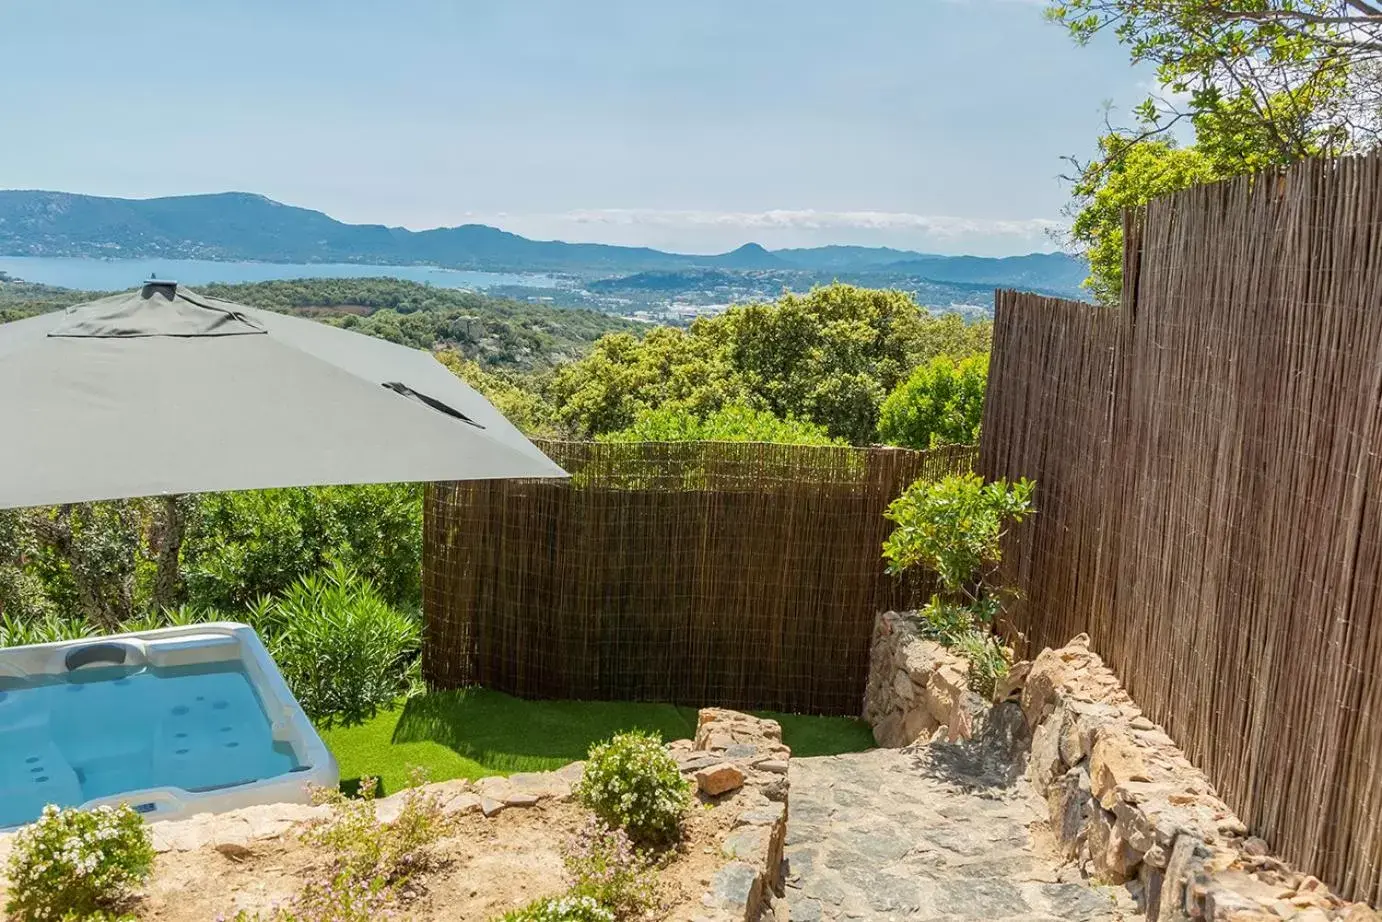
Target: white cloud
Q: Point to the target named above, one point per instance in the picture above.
(939, 226)
(708, 231)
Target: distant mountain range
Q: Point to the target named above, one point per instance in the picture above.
(243, 226)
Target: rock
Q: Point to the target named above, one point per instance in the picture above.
(520, 799)
(1115, 760)
(1114, 858)
(887, 733)
(234, 851)
(944, 691)
(902, 685)
(1045, 764)
(491, 807)
(1256, 846)
(1068, 800)
(1178, 870)
(736, 886)
(462, 803)
(1011, 686)
(749, 844)
(916, 724)
(1359, 912)
(720, 779)
(776, 766)
(717, 728)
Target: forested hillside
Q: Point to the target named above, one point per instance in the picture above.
(495, 332)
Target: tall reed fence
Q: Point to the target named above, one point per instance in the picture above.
(743, 575)
(1209, 493)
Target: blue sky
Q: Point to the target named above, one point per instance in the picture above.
(698, 125)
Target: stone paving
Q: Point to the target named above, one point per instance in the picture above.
(938, 832)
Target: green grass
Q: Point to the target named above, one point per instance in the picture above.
(474, 732)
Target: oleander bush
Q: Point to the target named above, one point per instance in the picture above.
(631, 783)
(77, 864)
(341, 647)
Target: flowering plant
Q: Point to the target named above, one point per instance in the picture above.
(77, 863)
(604, 865)
(561, 909)
(631, 783)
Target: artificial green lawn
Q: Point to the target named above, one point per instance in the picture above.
(474, 732)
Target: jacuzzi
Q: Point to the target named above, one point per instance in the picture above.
(173, 722)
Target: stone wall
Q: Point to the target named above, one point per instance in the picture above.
(1125, 804)
(742, 760)
(916, 686)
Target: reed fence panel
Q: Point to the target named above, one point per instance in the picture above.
(741, 575)
(1208, 493)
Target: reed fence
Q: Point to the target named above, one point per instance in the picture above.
(1209, 493)
(742, 575)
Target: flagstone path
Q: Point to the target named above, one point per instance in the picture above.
(937, 832)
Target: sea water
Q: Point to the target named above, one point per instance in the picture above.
(104, 731)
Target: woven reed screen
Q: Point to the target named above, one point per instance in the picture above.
(1209, 493)
(741, 575)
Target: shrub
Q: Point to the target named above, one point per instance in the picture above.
(732, 423)
(77, 863)
(570, 908)
(366, 849)
(344, 650)
(339, 898)
(241, 546)
(631, 783)
(941, 403)
(604, 866)
(954, 527)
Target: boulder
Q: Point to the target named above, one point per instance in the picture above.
(720, 779)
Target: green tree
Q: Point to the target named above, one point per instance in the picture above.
(954, 528)
(940, 403)
(829, 357)
(1262, 83)
(1128, 175)
(624, 375)
(730, 423)
(512, 394)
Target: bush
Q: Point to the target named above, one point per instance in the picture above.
(339, 898)
(954, 528)
(733, 423)
(941, 403)
(365, 848)
(631, 783)
(568, 908)
(344, 651)
(604, 866)
(241, 546)
(76, 864)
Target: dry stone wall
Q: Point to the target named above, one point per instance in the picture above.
(1125, 804)
(916, 686)
(742, 759)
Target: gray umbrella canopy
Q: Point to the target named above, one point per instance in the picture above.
(163, 390)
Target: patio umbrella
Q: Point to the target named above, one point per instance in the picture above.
(162, 390)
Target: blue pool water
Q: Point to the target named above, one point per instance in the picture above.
(99, 732)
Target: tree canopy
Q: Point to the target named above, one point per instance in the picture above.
(829, 357)
(1259, 83)
(940, 403)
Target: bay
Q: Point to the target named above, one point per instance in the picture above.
(89, 274)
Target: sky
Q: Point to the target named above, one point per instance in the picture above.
(692, 125)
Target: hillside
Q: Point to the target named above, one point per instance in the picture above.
(243, 226)
(496, 332)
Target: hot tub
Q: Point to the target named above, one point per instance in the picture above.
(173, 722)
